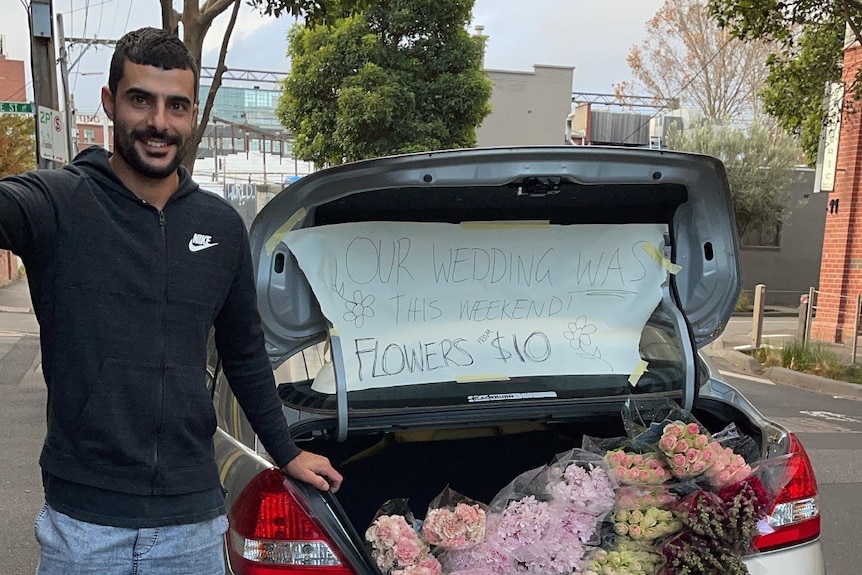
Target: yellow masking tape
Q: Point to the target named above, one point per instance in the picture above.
(286, 228)
(507, 224)
(477, 378)
(665, 263)
(639, 370)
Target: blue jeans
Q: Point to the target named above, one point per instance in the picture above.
(72, 547)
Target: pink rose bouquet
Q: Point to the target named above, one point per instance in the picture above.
(686, 449)
(636, 468)
(727, 467)
(644, 496)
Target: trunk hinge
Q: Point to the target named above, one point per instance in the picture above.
(340, 385)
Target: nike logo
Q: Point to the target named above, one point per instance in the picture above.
(200, 242)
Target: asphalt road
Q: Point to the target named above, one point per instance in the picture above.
(829, 427)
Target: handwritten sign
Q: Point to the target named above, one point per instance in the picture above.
(426, 302)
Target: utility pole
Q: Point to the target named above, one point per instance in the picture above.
(64, 74)
(43, 66)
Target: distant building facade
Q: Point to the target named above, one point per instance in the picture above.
(527, 108)
(93, 130)
(786, 259)
(13, 88)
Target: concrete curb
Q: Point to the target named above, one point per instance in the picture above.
(747, 364)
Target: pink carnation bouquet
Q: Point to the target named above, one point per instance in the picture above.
(686, 449)
(397, 548)
(454, 528)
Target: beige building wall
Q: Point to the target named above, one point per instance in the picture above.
(528, 108)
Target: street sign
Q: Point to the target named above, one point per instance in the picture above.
(52, 135)
(16, 108)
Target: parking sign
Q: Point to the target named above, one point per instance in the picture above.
(52, 135)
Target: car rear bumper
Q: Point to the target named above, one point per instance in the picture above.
(806, 558)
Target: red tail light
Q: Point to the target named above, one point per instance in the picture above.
(796, 514)
(272, 533)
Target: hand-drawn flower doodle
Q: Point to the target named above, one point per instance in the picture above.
(579, 333)
(359, 308)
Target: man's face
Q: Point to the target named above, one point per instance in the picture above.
(153, 112)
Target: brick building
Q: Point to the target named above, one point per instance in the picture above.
(841, 262)
(93, 130)
(12, 89)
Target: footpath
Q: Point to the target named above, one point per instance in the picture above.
(724, 352)
(17, 319)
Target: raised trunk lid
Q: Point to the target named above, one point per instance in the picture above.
(686, 197)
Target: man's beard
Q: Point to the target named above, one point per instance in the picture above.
(124, 146)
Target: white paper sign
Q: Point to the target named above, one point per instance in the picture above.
(424, 302)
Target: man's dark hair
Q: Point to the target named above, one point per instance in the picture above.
(150, 47)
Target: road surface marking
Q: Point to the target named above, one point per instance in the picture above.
(831, 416)
(748, 377)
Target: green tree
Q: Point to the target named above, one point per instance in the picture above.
(809, 38)
(759, 167)
(401, 76)
(196, 18)
(794, 89)
(17, 144)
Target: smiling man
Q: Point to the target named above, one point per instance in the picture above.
(130, 266)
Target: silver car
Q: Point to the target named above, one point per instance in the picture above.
(455, 318)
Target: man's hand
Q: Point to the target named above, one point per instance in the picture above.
(315, 470)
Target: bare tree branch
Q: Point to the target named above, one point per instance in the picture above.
(170, 17)
(216, 84)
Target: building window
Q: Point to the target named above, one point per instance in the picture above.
(766, 235)
(89, 136)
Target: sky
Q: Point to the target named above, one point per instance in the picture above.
(592, 36)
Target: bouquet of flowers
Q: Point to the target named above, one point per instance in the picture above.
(647, 524)
(453, 521)
(720, 528)
(645, 496)
(637, 468)
(623, 558)
(580, 480)
(727, 466)
(686, 448)
(542, 521)
(396, 546)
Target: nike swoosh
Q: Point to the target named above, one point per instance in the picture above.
(193, 247)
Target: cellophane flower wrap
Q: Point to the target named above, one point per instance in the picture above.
(454, 521)
(542, 522)
(637, 468)
(719, 530)
(645, 496)
(646, 524)
(396, 546)
(593, 511)
(687, 449)
(622, 557)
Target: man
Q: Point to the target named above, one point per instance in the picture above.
(130, 266)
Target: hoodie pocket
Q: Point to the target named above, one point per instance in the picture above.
(190, 420)
(119, 423)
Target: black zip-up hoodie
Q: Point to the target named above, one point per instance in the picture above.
(126, 296)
